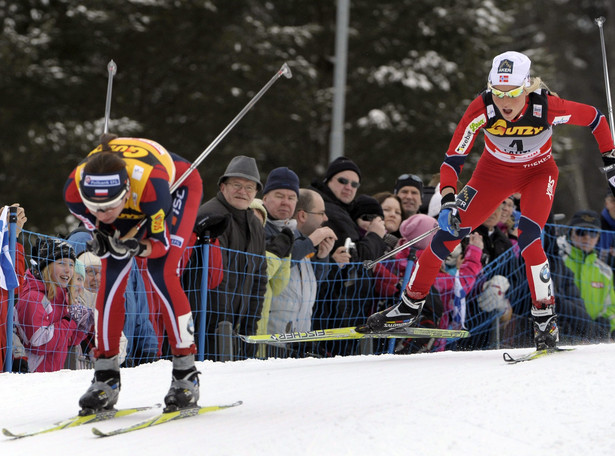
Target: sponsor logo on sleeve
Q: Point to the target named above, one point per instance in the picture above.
(158, 222)
(469, 132)
(560, 120)
(177, 241)
(465, 197)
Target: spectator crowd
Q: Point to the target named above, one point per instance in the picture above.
(293, 261)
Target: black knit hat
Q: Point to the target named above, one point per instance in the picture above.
(52, 250)
(341, 164)
(282, 178)
(408, 180)
(365, 205)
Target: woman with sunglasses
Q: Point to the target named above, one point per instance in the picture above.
(121, 182)
(517, 115)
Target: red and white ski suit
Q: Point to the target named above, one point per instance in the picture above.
(517, 158)
(171, 216)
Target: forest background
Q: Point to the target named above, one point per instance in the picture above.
(186, 68)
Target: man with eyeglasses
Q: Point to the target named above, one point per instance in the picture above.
(239, 297)
(409, 188)
(122, 182)
(592, 276)
(292, 309)
(517, 114)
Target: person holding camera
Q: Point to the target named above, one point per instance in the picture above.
(339, 189)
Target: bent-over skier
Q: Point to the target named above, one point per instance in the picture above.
(120, 182)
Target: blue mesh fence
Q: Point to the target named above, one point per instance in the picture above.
(300, 296)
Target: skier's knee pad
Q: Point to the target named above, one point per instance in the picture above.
(530, 231)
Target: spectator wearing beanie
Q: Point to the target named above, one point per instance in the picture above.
(409, 188)
(344, 302)
(280, 198)
(239, 297)
(338, 189)
(411, 228)
(46, 322)
(281, 194)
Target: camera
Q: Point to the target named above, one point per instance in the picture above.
(349, 245)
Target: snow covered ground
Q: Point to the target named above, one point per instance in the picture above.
(447, 403)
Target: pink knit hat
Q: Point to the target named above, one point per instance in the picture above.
(416, 225)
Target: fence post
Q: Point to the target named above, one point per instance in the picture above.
(496, 331)
(8, 358)
(409, 265)
(203, 307)
(366, 346)
(224, 338)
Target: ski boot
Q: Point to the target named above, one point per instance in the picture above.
(105, 388)
(546, 332)
(405, 313)
(184, 391)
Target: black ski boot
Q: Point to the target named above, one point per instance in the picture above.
(184, 391)
(405, 313)
(105, 388)
(546, 332)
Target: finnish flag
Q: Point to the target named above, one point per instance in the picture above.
(8, 277)
(459, 310)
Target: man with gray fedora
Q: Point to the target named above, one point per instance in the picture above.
(239, 297)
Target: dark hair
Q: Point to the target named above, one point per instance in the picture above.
(382, 196)
(105, 161)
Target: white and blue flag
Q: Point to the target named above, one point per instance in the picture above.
(8, 276)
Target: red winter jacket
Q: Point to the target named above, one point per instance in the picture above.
(44, 331)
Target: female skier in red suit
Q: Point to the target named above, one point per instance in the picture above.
(517, 114)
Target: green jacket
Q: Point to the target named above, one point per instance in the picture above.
(594, 278)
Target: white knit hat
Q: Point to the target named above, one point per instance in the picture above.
(510, 68)
(89, 259)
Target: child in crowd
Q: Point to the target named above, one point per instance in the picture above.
(47, 323)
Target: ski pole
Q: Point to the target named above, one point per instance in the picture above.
(370, 264)
(283, 71)
(600, 21)
(111, 69)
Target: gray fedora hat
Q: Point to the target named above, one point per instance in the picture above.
(242, 166)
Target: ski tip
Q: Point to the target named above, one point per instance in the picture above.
(99, 433)
(8, 433)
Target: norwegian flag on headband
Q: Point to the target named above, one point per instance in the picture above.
(503, 78)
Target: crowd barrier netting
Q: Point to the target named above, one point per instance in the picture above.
(327, 298)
